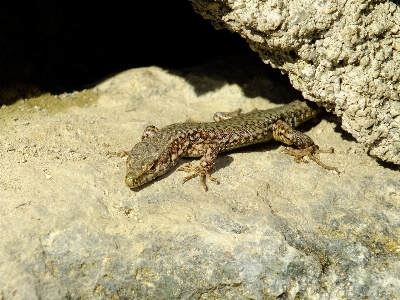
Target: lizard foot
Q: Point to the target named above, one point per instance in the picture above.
(119, 153)
(197, 171)
(299, 155)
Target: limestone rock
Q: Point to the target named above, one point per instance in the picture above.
(273, 228)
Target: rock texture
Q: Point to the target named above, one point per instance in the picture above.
(71, 229)
(344, 55)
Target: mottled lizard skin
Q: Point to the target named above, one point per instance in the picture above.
(160, 149)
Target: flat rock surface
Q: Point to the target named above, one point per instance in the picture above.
(70, 228)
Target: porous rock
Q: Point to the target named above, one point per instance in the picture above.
(344, 55)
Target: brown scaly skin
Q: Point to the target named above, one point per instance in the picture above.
(160, 149)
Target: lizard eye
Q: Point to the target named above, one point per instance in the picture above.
(151, 168)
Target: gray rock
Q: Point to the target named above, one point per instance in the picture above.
(345, 55)
(71, 229)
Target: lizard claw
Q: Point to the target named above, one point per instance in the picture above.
(197, 171)
(119, 153)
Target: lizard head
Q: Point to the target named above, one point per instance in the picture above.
(145, 162)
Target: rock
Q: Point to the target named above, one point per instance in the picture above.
(272, 229)
(342, 55)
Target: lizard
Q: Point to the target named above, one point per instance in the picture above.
(160, 149)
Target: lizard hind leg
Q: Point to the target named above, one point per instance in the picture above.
(306, 146)
(310, 152)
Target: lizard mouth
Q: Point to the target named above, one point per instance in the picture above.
(131, 180)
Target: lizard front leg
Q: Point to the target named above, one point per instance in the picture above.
(148, 132)
(202, 170)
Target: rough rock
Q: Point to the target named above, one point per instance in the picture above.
(71, 229)
(345, 55)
